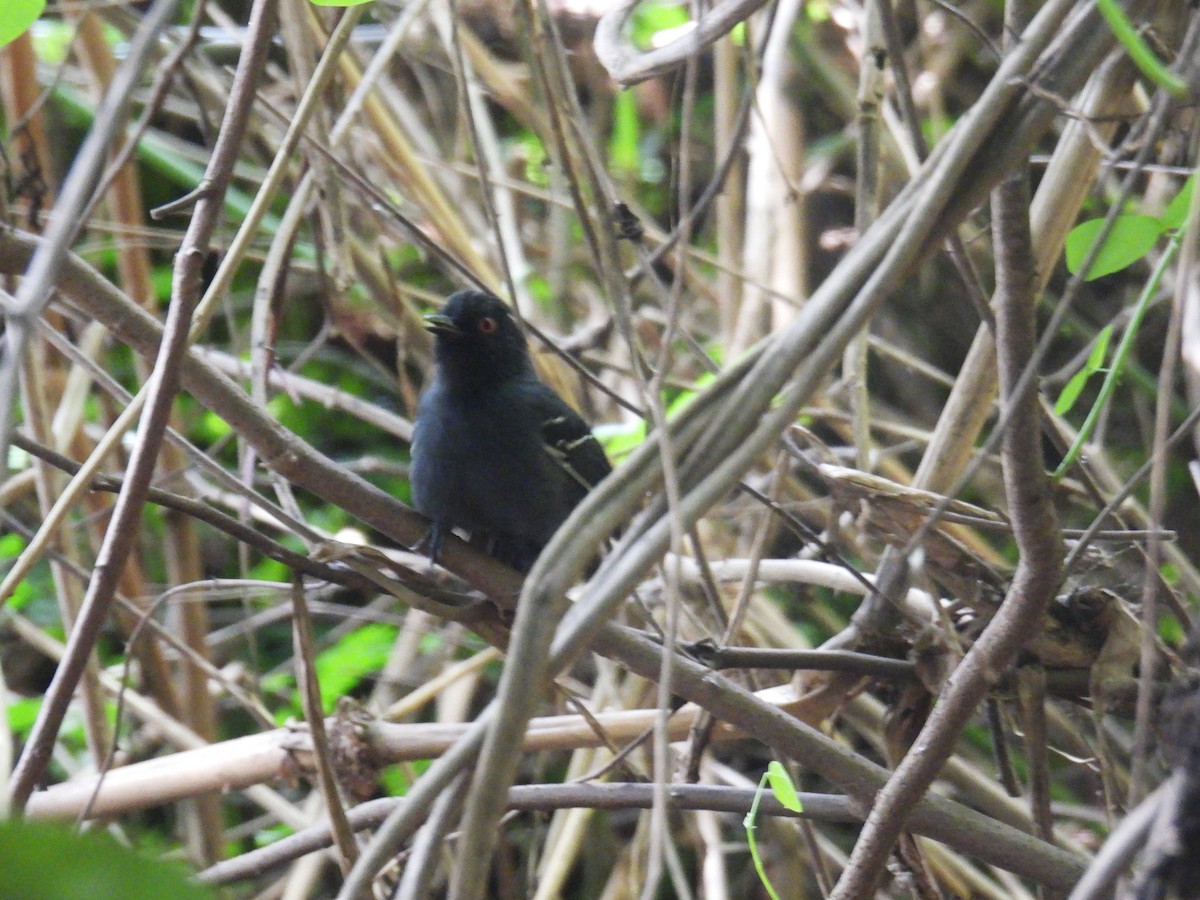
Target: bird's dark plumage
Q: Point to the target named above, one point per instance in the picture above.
(495, 451)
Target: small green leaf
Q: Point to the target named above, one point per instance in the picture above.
(1171, 631)
(618, 439)
(818, 11)
(23, 594)
(782, 787)
(651, 18)
(1177, 210)
(343, 666)
(750, 822)
(1099, 352)
(338, 2)
(11, 545)
(626, 131)
(22, 712)
(1071, 391)
(536, 159)
(1131, 238)
(18, 16)
(1095, 363)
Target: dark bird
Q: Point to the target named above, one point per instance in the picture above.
(495, 451)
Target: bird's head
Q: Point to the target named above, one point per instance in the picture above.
(477, 338)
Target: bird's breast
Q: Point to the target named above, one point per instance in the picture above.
(479, 463)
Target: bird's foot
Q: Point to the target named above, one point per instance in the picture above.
(431, 543)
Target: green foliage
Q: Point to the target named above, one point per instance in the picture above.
(1170, 630)
(539, 290)
(210, 428)
(27, 592)
(619, 440)
(785, 792)
(395, 779)
(1131, 238)
(817, 10)
(264, 837)
(1177, 210)
(18, 16)
(21, 714)
(394, 782)
(536, 158)
(1095, 363)
(343, 666)
(49, 862)
(623, 151)
(1122, 356)
(654, 17)
(267, 569)
(52, 40)
(11, 546)
(782, 787)
(18, 459)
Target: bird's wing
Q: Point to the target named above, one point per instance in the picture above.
(570, 441)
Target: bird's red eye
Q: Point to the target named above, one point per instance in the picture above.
(487, 325)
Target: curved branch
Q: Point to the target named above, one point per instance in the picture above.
(628, 65)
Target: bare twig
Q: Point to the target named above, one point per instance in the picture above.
(310, 692)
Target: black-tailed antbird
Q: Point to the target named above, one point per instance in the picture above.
(496, 451)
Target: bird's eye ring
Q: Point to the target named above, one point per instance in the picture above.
(487, 325)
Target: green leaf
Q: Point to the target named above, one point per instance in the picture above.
(651, 18)
(1099, 352)
(49, 862)
(17, 16)
(1095, 363)
(818, 11)
(782, 787)
(11, 545)
(1121, 354)
(751, 824)
(338, 2)
(537, 161)
(619, 439)
(22, 713)
(360, 653)
(1171, 631)
(626, 132)
(1069, 395)
(23, 594)
(1177, 210)
(1131, 238)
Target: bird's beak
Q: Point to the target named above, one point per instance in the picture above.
(440, 324)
